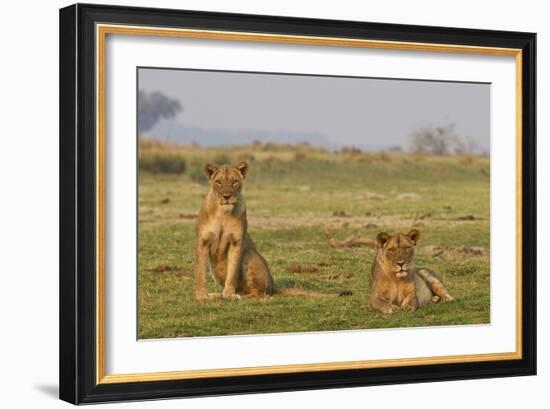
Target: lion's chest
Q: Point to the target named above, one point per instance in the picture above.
(220, 233)
(397, 290)
(403, 290)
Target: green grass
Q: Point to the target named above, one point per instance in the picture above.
(290, 203)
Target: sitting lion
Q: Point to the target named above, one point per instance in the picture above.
(395, 283)
(223, 243)
(225, 248)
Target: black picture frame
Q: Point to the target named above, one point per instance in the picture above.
(78, 383)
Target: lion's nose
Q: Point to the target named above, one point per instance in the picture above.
(227, 197)
(400, 263)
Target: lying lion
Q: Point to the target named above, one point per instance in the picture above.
(395, 283)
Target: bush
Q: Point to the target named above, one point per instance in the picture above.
(246, 157)
(384, 157)
(221, 159)
(351, 150)
(197, 173)
(162, 164)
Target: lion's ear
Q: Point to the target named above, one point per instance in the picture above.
(414, 235)
(242, 167)
(382, 238)
(210, 169)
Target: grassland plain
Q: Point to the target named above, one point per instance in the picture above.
(294, 194)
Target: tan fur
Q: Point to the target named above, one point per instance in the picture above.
(225, 248)
(223, 243)
(395, 283)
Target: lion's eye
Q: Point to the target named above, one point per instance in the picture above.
(235, 183)
(218, 183)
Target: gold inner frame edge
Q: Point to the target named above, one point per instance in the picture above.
(101, 33)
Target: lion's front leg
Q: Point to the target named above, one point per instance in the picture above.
(201, 292)
(234, 256)
(410, 302)
(383, 305)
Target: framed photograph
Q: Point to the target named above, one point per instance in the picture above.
(388, 233)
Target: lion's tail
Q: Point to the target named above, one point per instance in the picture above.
(435, 283)
(300, 292)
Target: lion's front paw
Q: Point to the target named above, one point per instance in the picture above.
(389, 309)
(231, 295)
(201, 295)
(409, 307)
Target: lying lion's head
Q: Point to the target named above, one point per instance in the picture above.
(226, 182)
(397, 252)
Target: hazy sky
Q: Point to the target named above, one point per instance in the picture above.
(364, 112)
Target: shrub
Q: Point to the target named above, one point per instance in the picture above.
(351, 150)
(197, 173)
(246, 157)
(221, 159)
(467, 160)
(162, 164)
(384, 157)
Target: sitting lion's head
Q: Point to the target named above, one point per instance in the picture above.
(396, 252)
(226, 182)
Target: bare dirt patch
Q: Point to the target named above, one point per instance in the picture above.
(340, 213)
(187, 216)
(300, 269)
(373, 196)
(179, 271)
(469, 217)
(408, 196)
(454, 251)
(161, 268)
